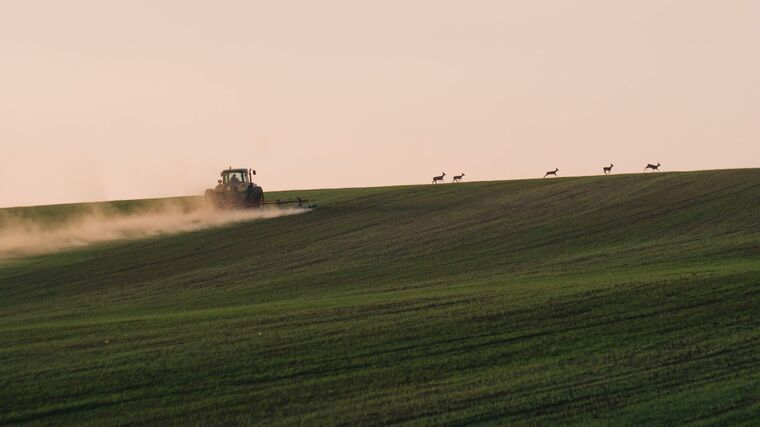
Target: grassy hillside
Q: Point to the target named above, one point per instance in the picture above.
(610, 300)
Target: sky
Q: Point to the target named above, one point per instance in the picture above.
(103, 100)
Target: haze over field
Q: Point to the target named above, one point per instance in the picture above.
(21, 235)
(116, 100)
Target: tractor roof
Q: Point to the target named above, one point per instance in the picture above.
(235, 170)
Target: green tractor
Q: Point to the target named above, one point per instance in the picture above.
(236, 190)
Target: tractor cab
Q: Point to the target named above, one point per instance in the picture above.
(237, 176)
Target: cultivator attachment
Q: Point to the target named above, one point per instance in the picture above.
(297, 201)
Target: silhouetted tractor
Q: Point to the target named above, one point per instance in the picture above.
(236, 190)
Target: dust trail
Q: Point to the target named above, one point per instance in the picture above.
(21, 236)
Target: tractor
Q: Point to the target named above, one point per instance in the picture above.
(236, 190)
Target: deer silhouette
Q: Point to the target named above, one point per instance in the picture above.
(653, 167)
(554, 172)
(458, 177)
(608, 169)
(439, 178)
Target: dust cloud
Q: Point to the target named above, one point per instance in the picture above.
(22, 236)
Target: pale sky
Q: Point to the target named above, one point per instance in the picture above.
(133, 99)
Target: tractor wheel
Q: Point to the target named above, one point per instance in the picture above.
(253, 194)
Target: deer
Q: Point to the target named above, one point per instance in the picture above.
(653, 167)
(608, 169)
(458, 177)
(554, 172)
(439, 178)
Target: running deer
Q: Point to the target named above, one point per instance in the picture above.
(458, 177)
(439, 178)
(554, 172)
(608, 169)
(653, 167)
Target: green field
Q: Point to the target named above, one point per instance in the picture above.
(630, 299)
